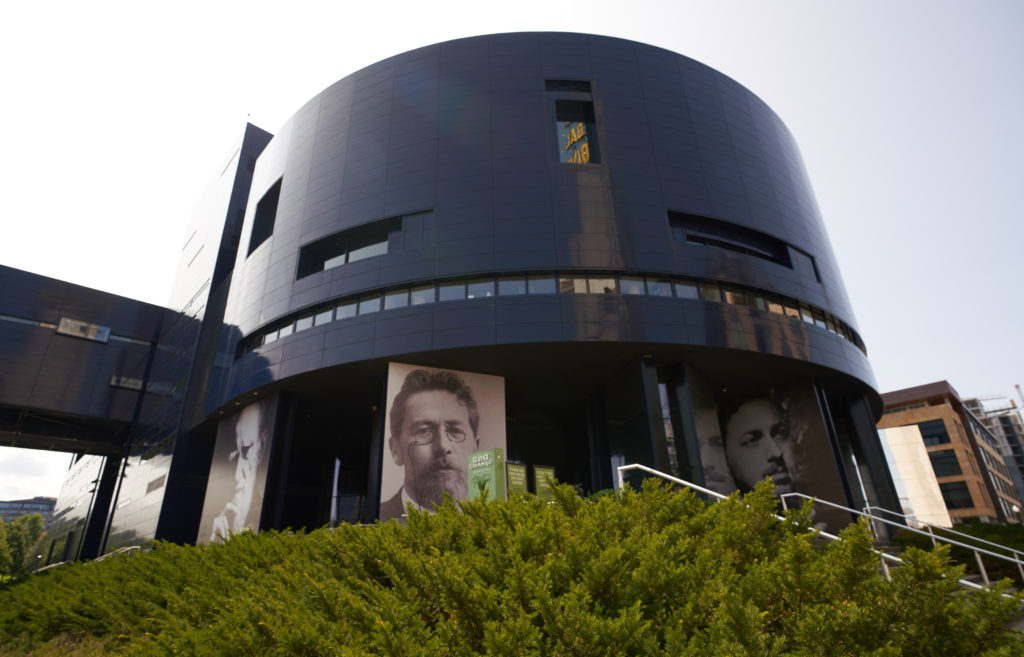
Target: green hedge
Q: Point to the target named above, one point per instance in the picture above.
(1010, 536)
(657, 572)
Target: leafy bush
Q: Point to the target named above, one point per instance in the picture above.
(656, 572)
(20, 543)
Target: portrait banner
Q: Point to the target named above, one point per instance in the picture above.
(776, 433)
(238, 472)
(435, 419)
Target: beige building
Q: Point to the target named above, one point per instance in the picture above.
(913, 475)
(965, 456)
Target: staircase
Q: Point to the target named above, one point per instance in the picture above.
(879, 520)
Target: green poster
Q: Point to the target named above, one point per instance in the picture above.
(487, 474)
(543, 480)
(516, 477)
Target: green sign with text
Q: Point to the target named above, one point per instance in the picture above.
(516, 478)
(543, 481)
(487, 474)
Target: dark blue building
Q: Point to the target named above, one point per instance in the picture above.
(626, 237)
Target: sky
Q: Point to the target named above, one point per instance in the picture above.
(907, 112)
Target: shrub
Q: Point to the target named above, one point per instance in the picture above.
(656, 572)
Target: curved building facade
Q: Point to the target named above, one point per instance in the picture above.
(556, 252)
(626, 238)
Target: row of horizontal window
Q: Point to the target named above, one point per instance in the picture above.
(507, 286)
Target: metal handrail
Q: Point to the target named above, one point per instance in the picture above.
(883, 557)
(976, 550)
(948, 530)
(122, 550)
(931, 534)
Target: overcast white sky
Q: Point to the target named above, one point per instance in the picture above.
(908, 114)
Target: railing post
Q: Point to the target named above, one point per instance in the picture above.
(932, 535)
(885, 567)
(981, 567)
(785, 505)
(874, 530)
(622, 479)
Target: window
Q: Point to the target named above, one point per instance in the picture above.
(659, 287)
(710, 292)
(736, 297)
(323, 317)
(285, 330)
(572, 284)
(421, 295)
(396, 299)
(577, 134)
(346, 310)
(582, 86)
(944, 463)
(603, 286)
(266, 214)
(956, 495)
(508, 287)
(303, 323)
(352, 245)
(541, 284)
(695, 229)
(369, 305)
(451, 291)
(933, 432)
(481, 288)
(687, 291)
(632, 284)
(575, 127)
(368, 251)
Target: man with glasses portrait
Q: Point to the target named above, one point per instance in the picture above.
(434, 428)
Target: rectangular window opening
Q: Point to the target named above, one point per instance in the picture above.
(265, 216)
(351, 245)
(542, 285)
(508, 287)
(659, 287)
(396, 299)
(603, 286)
(576, 132)
(478, 289)
(944, 463)
(572, 284)
(695, 229)
(933, 432)
(956, 495)
(423, 294)
(451, 291)
(582, 86)
(632, 284)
